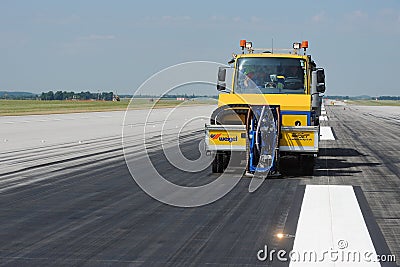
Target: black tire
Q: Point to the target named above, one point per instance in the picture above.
(225, 161)
(218, 163)
(214, 165)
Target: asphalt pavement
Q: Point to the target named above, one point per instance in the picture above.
(68, 198)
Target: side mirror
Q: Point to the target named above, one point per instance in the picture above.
(221, 86)
(320, 76)
(321, 88)
(221, 74)
(318, 81)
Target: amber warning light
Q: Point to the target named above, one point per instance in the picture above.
(242, 44)
(304, 45)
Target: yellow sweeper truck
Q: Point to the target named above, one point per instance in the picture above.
(269, 112)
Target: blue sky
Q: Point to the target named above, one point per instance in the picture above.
(117, 45)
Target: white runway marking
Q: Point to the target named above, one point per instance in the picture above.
(331, 220)
(323, 118)
(326, 133)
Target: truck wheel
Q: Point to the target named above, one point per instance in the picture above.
(225, 161)
(218, 164)
(214, 165)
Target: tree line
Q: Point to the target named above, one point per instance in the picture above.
(388, 98)
(364, 97)
(63, 95)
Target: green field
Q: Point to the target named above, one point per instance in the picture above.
(374, 102)
(30, 107)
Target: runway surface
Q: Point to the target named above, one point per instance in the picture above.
(67, 197)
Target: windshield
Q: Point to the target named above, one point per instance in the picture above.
(270, 76)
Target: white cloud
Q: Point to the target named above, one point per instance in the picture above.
(254, 19)
(384, 22)
(358, 14)
(319, 17)
(237, 19)
(387, 12)
(356, 21)
(218, 18)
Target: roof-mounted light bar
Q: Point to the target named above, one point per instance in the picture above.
(296, 46)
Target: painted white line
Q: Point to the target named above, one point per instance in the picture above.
(323, 118)
(326, 133)
(323, 112)
(331, 221)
